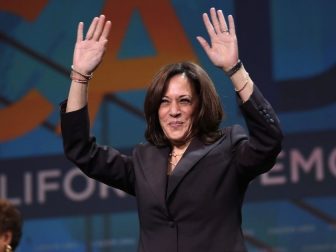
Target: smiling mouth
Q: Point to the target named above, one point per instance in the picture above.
(175, 124)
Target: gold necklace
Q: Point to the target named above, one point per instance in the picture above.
(170, 167)
(172, 163)
(173, 154)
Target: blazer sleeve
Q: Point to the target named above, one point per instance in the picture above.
(101, 163)
(256, 152)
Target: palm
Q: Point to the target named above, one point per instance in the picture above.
(223, 51)
(223, 47)
(89, 52)
(88, 55)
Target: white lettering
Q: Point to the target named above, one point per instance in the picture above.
(103, 190)
(270, 178)
(4, 193)
(45, 186)
(315, 160)
(28, 188)
(32, 188)
(332, 162)
(119, 193)
(78, 196)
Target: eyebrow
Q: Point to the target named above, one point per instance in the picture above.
(181, 96)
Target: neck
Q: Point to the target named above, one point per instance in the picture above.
(177, 150)
(180, 148)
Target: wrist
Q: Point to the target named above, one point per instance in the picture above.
(76, 75)
(82, 71)
(79, 77)
(239, 75)
(231, 71)
(242, 84)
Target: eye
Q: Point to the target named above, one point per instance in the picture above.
(185, 101)
(164, 101)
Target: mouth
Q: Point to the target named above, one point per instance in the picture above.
(175, 124)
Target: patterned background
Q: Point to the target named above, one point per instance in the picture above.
(289, 49)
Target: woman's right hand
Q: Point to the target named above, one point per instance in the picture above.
(89, 52)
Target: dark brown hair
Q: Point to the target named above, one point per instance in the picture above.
(210, 112)
(10, 221)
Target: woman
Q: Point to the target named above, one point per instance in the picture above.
(10, 226)
(190, 178)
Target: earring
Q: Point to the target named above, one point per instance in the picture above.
(8, 248)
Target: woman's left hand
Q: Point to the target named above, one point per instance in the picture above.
(223, 50)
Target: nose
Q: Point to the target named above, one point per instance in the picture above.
(174, 109)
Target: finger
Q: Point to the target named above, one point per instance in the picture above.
(99, 28)
(92, 28)
(222, 22)
(80, 32)
(214, 20)
(106, 31)
(204, 44)
(208, 25)
(232, 27)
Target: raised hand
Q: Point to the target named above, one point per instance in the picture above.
(223, 47)
(89, 52)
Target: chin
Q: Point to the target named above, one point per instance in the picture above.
(178, 139)
(175, 140)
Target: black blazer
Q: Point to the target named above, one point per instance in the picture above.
(198, 208)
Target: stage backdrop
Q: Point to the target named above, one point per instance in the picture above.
(289, 49)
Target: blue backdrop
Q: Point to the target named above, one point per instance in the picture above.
(289, 49)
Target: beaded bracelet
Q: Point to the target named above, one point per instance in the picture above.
(234, 69)
(85, 81)
(245, 84)
(80, 81)
(86, 76)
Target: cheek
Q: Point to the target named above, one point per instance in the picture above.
(192, 113)
(161, 115)
(192, 116)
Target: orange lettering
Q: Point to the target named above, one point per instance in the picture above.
(166, 33)
(24, 9)
(24, 115)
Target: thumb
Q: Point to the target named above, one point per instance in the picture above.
(205, 45)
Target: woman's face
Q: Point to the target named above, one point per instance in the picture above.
(177, 109)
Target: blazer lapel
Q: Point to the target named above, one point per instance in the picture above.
(193, 154)
(155, 163)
